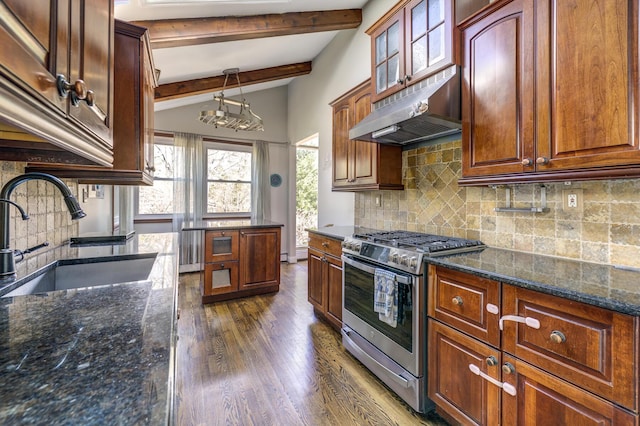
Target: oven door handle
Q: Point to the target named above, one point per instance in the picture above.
(371, 270)
(394, 376)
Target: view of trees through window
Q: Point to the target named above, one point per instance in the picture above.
(158, 199)
(306, 190)
(228, 181)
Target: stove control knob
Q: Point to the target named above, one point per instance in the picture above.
(393, 257)
(413, 262)
(356, 246)
(404, 260)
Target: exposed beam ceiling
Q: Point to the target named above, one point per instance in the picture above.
(192, 31)
(180, 89)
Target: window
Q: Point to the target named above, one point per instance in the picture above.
(228, 179)
(306, 188)
(158, 199)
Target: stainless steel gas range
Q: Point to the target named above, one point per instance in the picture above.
(384, 305)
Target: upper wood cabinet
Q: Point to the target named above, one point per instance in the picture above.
(412, 41)
(56, 81)
(361, 165)
(133, 128)
(545, 100)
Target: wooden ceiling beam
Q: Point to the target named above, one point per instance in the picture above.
(192, 31)
(181, 89)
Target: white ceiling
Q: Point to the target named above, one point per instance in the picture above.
(208, 60)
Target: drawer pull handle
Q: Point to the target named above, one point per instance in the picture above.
(530, 322)
(508, 388)
(457, 301)
(491, 361)
(557, 336)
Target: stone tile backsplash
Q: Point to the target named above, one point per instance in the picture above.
(49, 219)
(606, 229)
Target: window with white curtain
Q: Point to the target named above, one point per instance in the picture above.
(228, 181)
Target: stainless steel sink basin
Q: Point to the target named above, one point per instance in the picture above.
(79, 273)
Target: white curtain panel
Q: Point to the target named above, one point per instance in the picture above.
(260, 187)
(189, 195)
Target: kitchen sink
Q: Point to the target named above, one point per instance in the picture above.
(90, 272)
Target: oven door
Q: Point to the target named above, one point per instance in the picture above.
(400, 343)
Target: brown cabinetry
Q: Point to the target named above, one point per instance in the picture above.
(56, 81)
(542, 360)
(412, 41)
(526, 113)
(325, 278)
(240, 262)
(360, 165)
(133, 127)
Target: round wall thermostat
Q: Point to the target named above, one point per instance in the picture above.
(276, 180)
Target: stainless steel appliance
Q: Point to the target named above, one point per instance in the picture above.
(395, 353)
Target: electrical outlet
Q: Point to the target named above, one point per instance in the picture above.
(378, 201)
(572, 200)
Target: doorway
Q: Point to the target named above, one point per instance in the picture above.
(306, 191)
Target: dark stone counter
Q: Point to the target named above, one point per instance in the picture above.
(94, 355)
(219, 224)
(338, 232)
(606, 286)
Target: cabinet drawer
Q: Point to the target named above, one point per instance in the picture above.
(460, 300)
(220, 246)
(592, 347)
(328, 245)
(220, 278)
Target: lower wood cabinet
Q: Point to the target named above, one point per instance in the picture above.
(240, 262)
(325, 278)
(554, 361)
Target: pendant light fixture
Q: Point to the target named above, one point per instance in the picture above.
(244, 119)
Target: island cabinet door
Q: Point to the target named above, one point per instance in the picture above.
(543, 399)
(220, 278)
(220, 246)
(259, 257)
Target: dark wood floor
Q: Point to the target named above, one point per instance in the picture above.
(267, 360)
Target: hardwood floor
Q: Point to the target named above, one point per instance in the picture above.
(267, 360)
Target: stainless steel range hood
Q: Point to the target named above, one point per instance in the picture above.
(429, 112)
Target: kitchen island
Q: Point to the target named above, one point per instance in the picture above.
(240, 257)
(93, 355)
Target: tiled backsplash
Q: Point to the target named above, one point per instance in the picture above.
(606, 230)
(49, 219)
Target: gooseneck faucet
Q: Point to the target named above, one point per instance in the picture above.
(7, 263)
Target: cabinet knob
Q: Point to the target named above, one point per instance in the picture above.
(150, 168)
(457, 301)
(508, 368)
(527, 162)
(542, 160)
(557, 337)
(78, 90)
(491, 361)
(406, 79)
(325, 244)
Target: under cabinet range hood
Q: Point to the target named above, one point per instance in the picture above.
(430, 111)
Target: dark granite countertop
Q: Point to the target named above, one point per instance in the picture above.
(606, 286)
(95, 355)
(216, 224)
(338, 232)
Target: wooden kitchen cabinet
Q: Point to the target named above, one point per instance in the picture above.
(44, 45)
(527, 115)
(325, 278)
(133, 127)
(413, 40)
(569, 363)
(240, 262)
(361, 165)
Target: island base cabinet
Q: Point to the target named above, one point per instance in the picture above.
(543, 399)
(259, 258)
(460, 395)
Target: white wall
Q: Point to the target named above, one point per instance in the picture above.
(344, 64)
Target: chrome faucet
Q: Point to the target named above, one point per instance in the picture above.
(7, 263)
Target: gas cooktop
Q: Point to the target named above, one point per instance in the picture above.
(405, 249)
